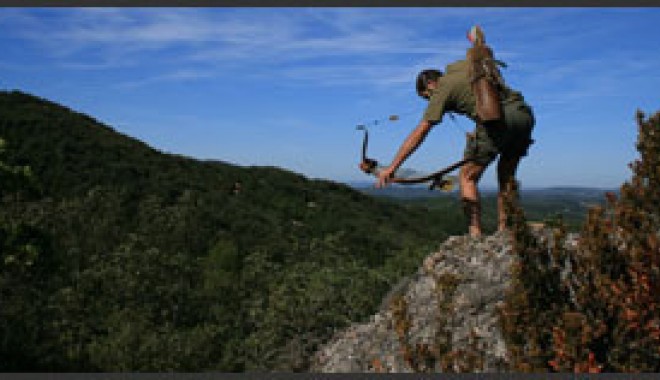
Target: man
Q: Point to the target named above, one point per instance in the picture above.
(509, 138)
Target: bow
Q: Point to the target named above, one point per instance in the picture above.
(370, 166)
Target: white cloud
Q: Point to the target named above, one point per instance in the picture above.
(176, 76)
(575, 82)
(339, 46)
(217, 35)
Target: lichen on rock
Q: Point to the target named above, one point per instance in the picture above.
(451, 310)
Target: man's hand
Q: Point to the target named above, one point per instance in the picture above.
(368, 165)
(409, 145)
(384, 177)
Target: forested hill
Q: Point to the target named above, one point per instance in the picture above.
(119, 257)
(72, 153)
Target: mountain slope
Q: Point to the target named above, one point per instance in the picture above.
(234, 264)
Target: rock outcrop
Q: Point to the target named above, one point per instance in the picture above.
(443, 318)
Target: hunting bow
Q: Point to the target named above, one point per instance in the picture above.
(370, 166)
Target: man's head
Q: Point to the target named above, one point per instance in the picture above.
(426, 81)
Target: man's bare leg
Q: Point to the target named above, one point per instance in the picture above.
(469, 177)
(506, 170)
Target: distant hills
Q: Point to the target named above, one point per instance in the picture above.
(540, 204)
(421, 191)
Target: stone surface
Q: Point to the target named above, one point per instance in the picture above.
(464, 320)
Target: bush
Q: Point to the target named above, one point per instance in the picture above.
(596, 307)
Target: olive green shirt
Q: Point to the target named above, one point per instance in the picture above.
(454, 94)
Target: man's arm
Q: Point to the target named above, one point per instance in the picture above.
(411, 143)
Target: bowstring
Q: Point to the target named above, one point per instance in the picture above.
(408, 112)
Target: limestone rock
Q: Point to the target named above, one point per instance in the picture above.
(450, 305)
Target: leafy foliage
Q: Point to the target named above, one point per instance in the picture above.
(117, 257)
(25, 259)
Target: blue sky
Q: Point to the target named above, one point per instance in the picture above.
(286, 86)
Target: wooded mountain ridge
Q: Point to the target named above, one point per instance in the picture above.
(120, 257)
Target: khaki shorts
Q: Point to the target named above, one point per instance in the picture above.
(512, 140)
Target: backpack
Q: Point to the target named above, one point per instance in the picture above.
(485, 77)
